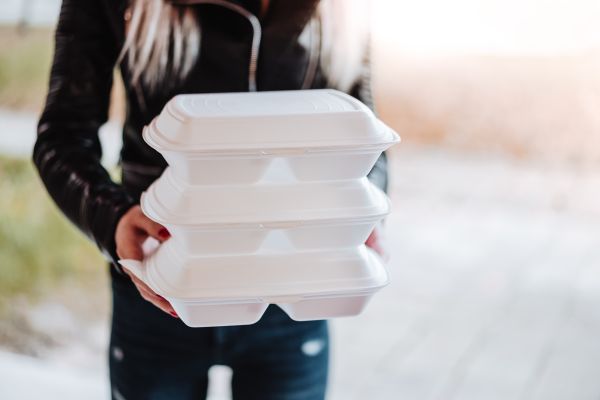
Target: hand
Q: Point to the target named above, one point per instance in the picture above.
(132, 230)
(376, 242)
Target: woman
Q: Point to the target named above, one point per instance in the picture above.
(163, 48)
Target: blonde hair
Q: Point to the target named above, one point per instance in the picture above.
(163, 40)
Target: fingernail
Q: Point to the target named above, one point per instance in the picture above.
(164, 233)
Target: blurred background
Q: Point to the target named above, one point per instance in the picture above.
(494, 237)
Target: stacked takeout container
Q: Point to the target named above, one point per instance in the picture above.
(267, 202)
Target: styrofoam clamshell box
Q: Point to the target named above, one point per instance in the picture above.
(236, 290)
(267, 202)
(239, 218)
(223, 138)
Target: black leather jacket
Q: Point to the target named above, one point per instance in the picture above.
(89, 37)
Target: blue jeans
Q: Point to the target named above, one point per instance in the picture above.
(153, 356)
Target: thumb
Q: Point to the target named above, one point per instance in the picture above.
(130, 249)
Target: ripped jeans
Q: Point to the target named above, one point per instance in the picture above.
(153, 356)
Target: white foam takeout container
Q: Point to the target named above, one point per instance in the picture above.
(225, 138)
(236, 290)
(233, 219)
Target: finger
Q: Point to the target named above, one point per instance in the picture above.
(154, 229)
(373, 238)
(130, 249)
(378, 249)
(375, 242)
(141, 285)
(151, 296)
(158, 302)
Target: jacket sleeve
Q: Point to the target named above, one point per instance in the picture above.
(67, 152)
(362, 90)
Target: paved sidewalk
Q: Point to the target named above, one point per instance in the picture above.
(495, 288)
(495, 291)
(26, 378)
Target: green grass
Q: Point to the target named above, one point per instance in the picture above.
(39, 249)
(42, 255)
(25, 59)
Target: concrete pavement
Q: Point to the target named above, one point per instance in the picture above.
(495, 286)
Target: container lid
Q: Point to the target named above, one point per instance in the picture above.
(171, 201)
(268, 121)
(219, 278)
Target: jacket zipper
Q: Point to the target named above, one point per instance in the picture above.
(314, 50)
(256, 33)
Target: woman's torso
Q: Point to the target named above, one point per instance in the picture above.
(287, 41)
